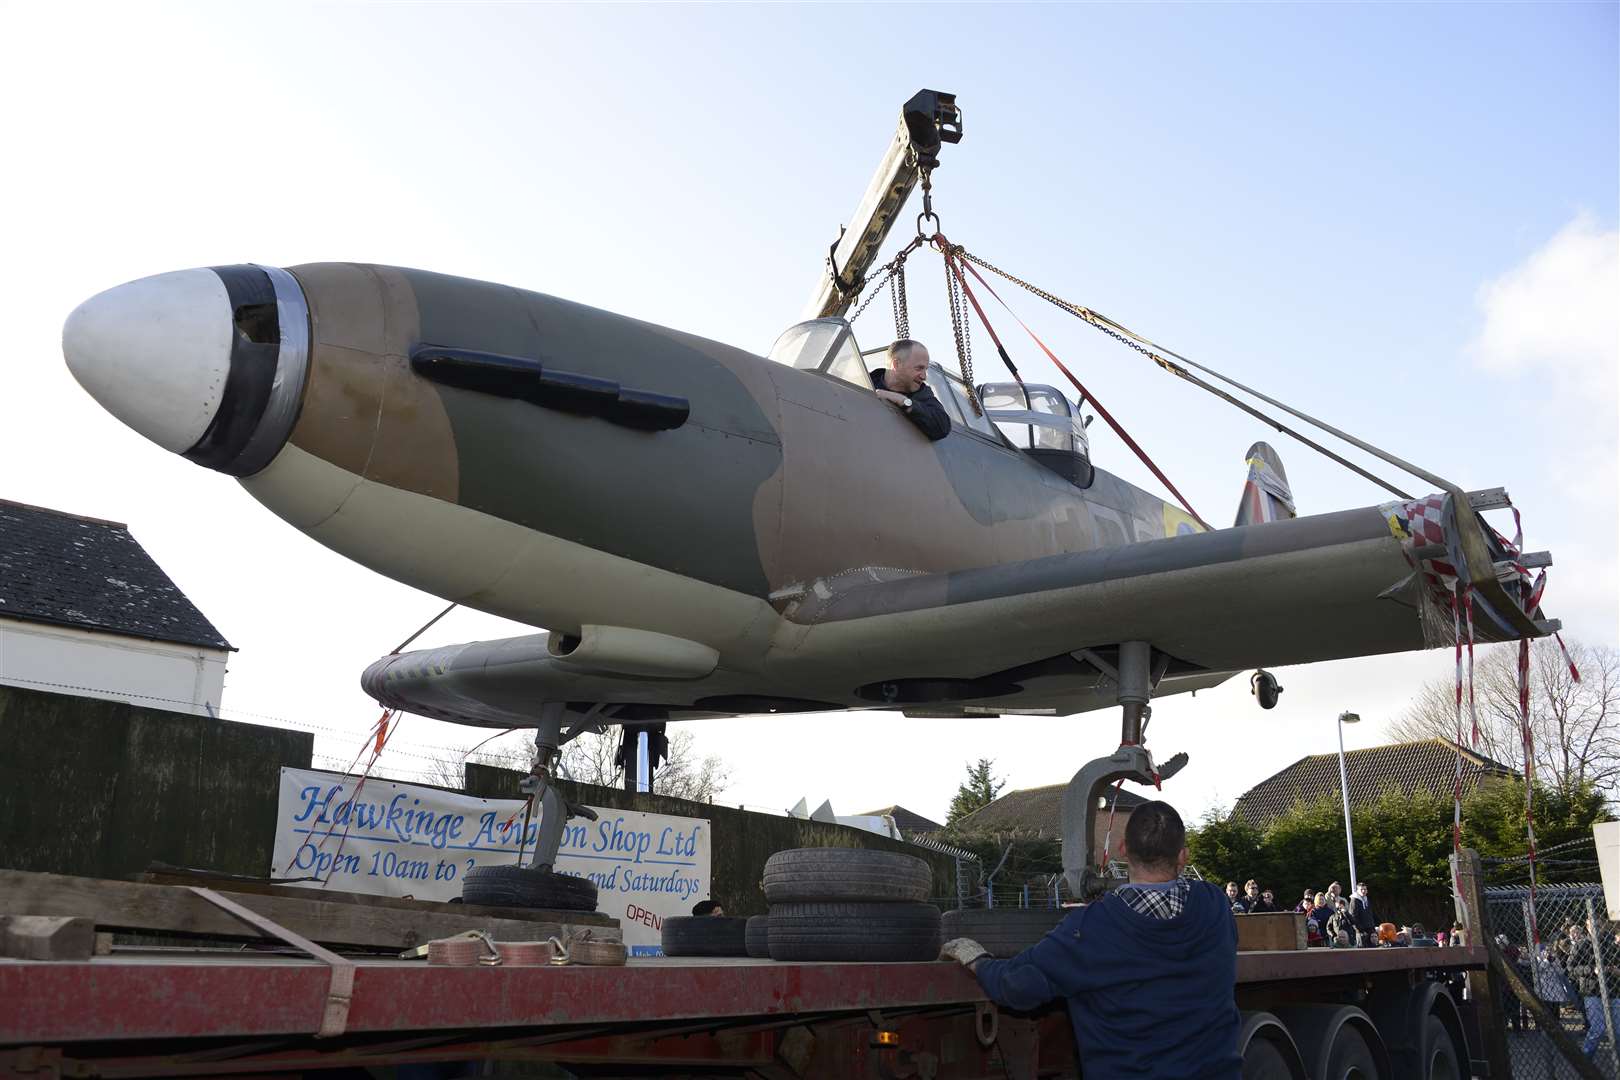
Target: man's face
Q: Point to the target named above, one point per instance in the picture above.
(907, 376)
(1308, 895)
(1231, 892)
(1361, 891)
(1252, 890)
(1266, 896)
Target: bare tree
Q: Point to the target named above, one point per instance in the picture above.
(590, 759)
(1576, 725)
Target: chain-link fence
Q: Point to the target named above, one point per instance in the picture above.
(1574, 971)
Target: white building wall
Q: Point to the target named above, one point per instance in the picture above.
(67, 660)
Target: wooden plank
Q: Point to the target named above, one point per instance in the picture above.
(1483, 988)
(47, 937)
(127, 905)
(170, 875)
(1280, 931)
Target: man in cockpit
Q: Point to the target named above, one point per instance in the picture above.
(902, 384)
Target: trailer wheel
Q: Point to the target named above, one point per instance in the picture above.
(813, 874)
(1267, 1050)
(705, 935)
(757, 934)
(1338, 1042)
(853, 931)
(1004, 932)
(521, 887)
(1440, 1059)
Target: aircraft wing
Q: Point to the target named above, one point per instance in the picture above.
(1038, 635)
(1330, 586)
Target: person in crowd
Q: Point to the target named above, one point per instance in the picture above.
(708, 907)
(1338, 922)
(1420, 936)
(1321, 911)
(1305, 905)
(1234, 899)
(1459, 936)
(1335, 891)
(1362, 916)
(1341, 940)
(1269, 900)
(1578, 958)
(1386, 934)
(1253, 902)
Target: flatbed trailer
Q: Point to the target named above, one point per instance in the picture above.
(178, 1012)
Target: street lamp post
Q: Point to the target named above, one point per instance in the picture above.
(1344, 789)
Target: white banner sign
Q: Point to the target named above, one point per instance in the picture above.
(403, 840)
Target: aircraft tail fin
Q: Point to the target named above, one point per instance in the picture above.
(1266, 494)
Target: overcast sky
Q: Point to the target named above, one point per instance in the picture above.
(1402, 218)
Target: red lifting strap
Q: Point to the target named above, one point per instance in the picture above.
(1085, 395)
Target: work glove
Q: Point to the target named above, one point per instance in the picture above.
(964, 951)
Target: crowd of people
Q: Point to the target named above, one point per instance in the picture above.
(1336, 921)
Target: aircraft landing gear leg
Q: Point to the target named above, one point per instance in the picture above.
(554, 810)
(1138, 672)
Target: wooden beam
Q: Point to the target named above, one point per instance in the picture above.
(128, 905)
(47, 937)
(1483, 989)
(231, 883)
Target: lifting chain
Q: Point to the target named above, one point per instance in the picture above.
(1082, 313)
(960, 326)
(902, 312)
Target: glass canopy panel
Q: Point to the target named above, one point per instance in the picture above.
(823, 345)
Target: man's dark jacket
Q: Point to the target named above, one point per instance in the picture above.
(1361, 914)
(1147, 997)
(926, 411)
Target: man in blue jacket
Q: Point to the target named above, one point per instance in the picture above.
(1148, 970)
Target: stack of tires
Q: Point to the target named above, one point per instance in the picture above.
(850, 904)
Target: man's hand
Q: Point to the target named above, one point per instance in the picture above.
(964, 951)
(892, 398)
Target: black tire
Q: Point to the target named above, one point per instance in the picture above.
(705, 935)
(1352, 1055)
(758, 936)
(1265, 1060)
(1440, 1053)
(521, 887)
(1004, 932)
(854, 931)
(802, 875)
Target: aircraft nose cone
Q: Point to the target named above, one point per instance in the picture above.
(155, 353)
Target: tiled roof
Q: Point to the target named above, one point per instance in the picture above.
(909, 822)
(1426, 765)
(1033, 811)
(77, 571)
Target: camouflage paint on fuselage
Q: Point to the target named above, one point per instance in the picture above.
(779, 478)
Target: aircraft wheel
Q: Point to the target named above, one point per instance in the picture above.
(521, 887)
(1004, 932)
(705, 935)
(814, 874)
(875, 932)
(758, 936)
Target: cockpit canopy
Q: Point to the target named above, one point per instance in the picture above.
(1037, 420)
(824, 345)
(1042, 423)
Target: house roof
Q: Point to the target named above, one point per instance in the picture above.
(83, 572)
(909, 822)
(1427, 765)
(1037, 811)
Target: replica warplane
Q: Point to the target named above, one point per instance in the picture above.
(702, 531)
